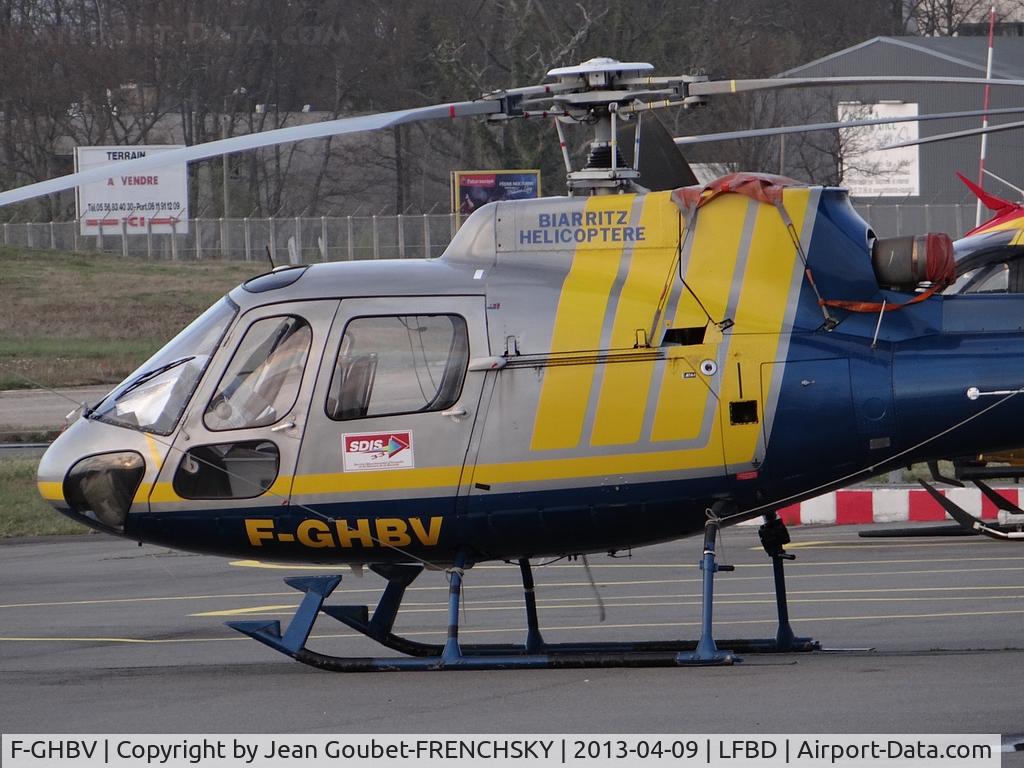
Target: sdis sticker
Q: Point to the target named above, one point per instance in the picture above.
(369, 451)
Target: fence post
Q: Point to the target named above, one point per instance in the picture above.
(28, 235)
(323, 238)
(7, 239)
(298, 238)
(174, 239)
(74, 236)
(99, 235)
(273, 240)
(53, 238)
(400, 220)
(248, 239)
(124, 237)
(199, 239)
(149, 238)
(376, 239)
(426, 237)
(224, 239)
(351, 247)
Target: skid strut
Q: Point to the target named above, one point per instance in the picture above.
(774, 538)
(534, 652)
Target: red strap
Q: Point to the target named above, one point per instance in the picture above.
(867, 306)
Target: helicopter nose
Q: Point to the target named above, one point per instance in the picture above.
(101, 488)
(95, 489)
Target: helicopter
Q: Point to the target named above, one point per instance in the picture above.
(574, 375)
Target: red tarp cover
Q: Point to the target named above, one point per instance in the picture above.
(763, 187)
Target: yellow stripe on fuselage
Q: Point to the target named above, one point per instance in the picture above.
(565, 391)
(760, 314)
(770, 263)
(51, 491)
(624, 389)
(682, 402)
(510, 472)
(164, 492)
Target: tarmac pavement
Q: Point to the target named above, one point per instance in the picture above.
(32, 410)
(100, 635)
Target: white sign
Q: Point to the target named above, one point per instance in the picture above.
(368, 451)
(869, 172)
(155, 199)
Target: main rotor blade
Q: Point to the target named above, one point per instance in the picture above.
(715, 87)
(757, 132)
(957, 135)
(345, 125)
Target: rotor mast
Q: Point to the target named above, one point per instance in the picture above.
(604, 93)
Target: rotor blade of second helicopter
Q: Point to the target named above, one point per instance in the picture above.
(754, 133)
(345, 125)
(957, 135)
(716, 87)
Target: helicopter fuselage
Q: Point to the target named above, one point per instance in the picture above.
(573, 375)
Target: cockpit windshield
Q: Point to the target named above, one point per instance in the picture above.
(154, 396)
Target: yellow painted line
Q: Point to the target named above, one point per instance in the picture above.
(609, 603)
(542, 585)
(565, 390)
(719, 622)
(116, 600)
(806, 564)
(127, 640)
(857, 546)
(246, 611)
(284, 567)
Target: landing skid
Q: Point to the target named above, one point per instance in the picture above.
(534, 652)
(970, 523)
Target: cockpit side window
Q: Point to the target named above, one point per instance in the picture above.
(262, 381)
(398, 364)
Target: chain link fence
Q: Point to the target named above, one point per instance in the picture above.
(287, 240)
(347, 238)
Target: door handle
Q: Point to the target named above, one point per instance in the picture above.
(283, 427)
(456, 411)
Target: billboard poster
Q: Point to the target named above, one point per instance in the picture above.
(869, 171)
(472, 189)
(153, 200)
